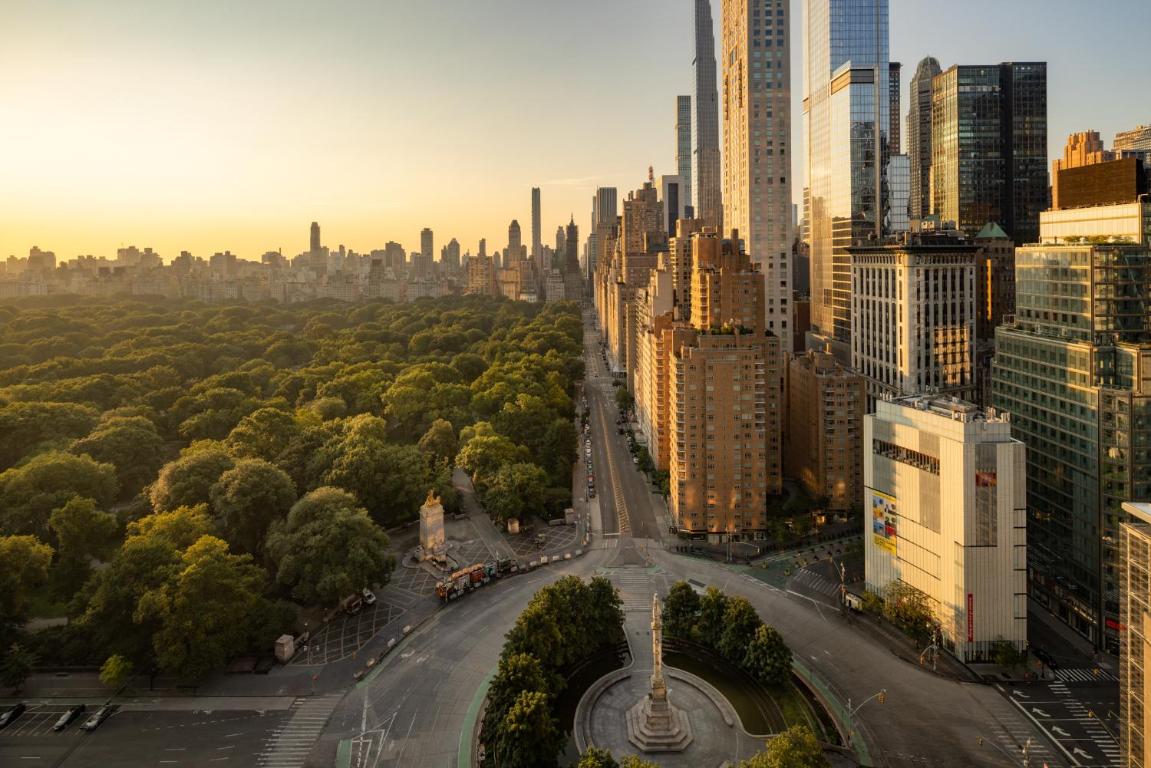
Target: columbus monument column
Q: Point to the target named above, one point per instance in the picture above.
(654, 724)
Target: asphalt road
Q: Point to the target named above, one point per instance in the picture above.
(132, 738)
(623, 491)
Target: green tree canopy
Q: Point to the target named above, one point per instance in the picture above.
(24, 564)
(391, 481)
(81, 532)
(680, 610)
(247, 498)
(26, 427)
(30, 492)
(712, 610)
(740, 622)
(202, 610)
(116, 672)
(188, 480)
(796, 747)
(328, 548)
(529, 736)
(768, 659)
(263, 434)
(439, 442)
(515, 491)
(129, 443)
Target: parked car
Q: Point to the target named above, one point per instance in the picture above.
(69, 715)
(591, 493)
(369, 596)
(353, 604)
(10, 715)
(102, 714)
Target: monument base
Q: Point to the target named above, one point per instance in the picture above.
(654, 725)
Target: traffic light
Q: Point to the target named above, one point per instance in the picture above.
(882, 699)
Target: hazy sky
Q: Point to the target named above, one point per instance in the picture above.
(233, 124)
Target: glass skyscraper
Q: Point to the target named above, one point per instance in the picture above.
(919, 137)
(706, 178)
(1074, 371)
(847, 120)
(989, 147)
(683, 148)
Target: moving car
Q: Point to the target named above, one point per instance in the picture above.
(102, 714)
(69, 715)
(10, 716)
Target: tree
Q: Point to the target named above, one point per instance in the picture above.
(796, 747)
(910, 610)
(178, 529)
(623, 399)
(188, 480)
(485, 453)
(680, 610)
(30, 492)
(263, 434)
(740, 622)
(597, 758)
(391, 481)
(129, 443)
(203, 609)
(82, 532)
(515, 491)
(16, 666)
(116, 672)
(712, 608)
(517, 672)
(439, 442)
(24, 563)
(247, 498)
(328, 547)
(529, 736)
(27, 427)
(768, 659)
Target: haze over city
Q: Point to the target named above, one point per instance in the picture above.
(220, 125)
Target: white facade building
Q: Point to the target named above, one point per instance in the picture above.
(913, 312)
(945, 499)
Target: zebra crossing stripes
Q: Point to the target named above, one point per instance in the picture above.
(817, 583)
(1014, 736)
(292, 741)
(1092, 675)
(635, 588)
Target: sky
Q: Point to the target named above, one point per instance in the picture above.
(232, 125)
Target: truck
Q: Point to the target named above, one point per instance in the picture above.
(465, 580)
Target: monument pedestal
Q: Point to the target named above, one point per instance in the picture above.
(654, 725)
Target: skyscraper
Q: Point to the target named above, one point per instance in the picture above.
(427, 243)
(919, 137)
(314, 243)
(515, 242)
(847, 120)
(683, 147)
(1073, 367)
(1135, 140)
(537, 232)
(756, 136)
(989, 147)
(706, 175)
(894, 88)
(604, 210)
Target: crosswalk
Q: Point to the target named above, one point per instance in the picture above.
(292, 741)
(1099, 735)
(1013, 737)
(1092, 675)
(635, 588)
(817, 583)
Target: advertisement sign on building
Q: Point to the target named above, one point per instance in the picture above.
(883, 521)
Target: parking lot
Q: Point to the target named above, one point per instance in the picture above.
(557, 538)
(38, 720)
(344, 635)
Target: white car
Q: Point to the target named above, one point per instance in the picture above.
(369, 596)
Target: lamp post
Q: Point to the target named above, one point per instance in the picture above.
(880, 696)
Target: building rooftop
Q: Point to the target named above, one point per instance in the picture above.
(951, 407)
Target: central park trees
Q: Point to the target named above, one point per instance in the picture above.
(293, 434)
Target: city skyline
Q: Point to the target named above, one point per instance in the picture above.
(259, 141)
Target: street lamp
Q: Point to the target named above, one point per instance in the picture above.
(880, 696)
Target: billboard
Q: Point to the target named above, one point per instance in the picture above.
(883, 521)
